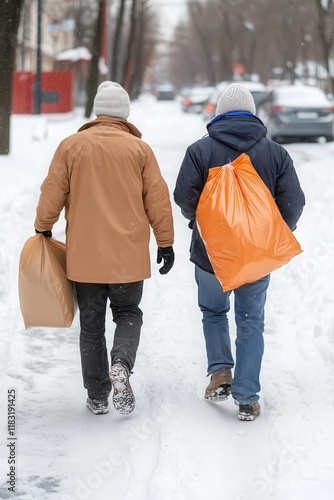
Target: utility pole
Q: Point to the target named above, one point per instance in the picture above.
(38, 80)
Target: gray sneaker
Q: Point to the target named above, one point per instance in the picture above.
(219, 388)
(98, 406)
(248, 411)
(123, 397)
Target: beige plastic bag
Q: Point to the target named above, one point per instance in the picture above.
(47, 297)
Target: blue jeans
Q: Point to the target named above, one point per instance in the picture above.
(249, 302)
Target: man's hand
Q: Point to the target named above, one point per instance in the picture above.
(167, 254)
(46, 234)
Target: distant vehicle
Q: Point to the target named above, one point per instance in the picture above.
(209, 109)
(195, 99)
(164, 92)
(257, 89)
(297, 112)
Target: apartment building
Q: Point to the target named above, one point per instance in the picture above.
(57, 33)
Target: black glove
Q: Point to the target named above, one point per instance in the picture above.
(191, 224)
(47, 234)
(168, 255)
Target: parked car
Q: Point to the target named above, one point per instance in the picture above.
(209, 109)
(297, 112)
(164, 92)
(257, 89)
(195, 99)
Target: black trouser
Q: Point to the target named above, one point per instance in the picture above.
(92, 302)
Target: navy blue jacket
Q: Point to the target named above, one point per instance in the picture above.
(228, 136)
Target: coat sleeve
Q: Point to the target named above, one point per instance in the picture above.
(157, 201)
(289, 196)
(189, 184)
(54, 191)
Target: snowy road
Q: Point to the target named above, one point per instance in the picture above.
(176, 445)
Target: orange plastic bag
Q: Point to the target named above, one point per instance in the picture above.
(243, 231)
(47, 297)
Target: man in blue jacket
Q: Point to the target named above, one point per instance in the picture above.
(233, 131)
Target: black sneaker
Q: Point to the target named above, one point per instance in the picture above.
(98, 406)
(123, 397)
(248, 411)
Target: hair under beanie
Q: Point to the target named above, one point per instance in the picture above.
(235, 97)
(112, 100)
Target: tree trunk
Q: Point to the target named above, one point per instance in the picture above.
(10, 18)
(195, 13)
(93, 77)
(117, 42)
(139, 67)
(129, 57)
(326, 36)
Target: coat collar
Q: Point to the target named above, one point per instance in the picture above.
(113, 122)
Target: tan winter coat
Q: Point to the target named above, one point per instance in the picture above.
(112, 189)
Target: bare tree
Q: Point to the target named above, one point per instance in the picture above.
(117, 42)
(10, 13)
(226, 19)
(93, 76)
(140, 46)
(146, 44)
(325, 27)
(84, 12)
(129, 56)
(217, 35)
(197, 17)
(139, 58)
(263, 35)
(182, 61)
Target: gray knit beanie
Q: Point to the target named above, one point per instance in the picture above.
(112, 100)
(235, 97)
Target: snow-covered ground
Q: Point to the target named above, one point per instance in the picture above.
(175, 445)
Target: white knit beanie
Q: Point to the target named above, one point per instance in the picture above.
(112, 100)
(235, 97)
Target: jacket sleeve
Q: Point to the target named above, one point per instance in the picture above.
(54, 191)
(289, 196)
(157, 201)
(189, 184)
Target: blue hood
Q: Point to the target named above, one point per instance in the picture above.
(238, 130)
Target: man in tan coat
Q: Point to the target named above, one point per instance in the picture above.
(109, 182)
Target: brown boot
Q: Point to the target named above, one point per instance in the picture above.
(219, 388)
(248, 412)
